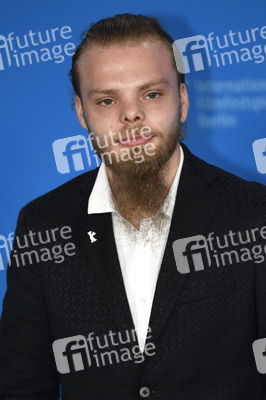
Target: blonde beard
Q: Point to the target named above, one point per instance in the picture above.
(151, 229)
(137, 197)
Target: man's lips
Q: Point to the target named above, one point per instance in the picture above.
(134, 141)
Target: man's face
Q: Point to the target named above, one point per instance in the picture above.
(124, 87)
(127, 86)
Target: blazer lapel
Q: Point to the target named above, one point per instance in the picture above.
(102, 257)
(194, 207)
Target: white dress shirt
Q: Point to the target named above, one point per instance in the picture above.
(140, 260)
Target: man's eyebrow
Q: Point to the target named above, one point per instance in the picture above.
(102, 91)
(153, 83)
(141, 87)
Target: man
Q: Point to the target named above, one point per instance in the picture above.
(127, 282)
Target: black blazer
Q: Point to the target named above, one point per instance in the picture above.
(202, 323)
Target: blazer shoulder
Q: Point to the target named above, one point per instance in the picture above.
(234, 192)
(66, 197)
(212, 175)
(223, 179)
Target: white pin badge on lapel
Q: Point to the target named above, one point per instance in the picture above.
(91, 235)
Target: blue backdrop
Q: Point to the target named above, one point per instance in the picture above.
(224, 49)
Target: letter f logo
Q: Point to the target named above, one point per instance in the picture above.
(4, 46)
(191, 254)
(191, 54)
(71, 354)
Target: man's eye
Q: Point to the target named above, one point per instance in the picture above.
(106, 102)
(153, 95)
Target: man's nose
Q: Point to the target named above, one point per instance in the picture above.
(131, 111)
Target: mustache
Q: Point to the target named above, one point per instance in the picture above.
(126, 134)
(132, 132)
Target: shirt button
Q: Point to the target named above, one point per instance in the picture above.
(144, 391)
(143, 299)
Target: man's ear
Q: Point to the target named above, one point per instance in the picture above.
(184, 102)
(79, 112)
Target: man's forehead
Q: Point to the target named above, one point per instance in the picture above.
(124, 53)
(142, 64)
